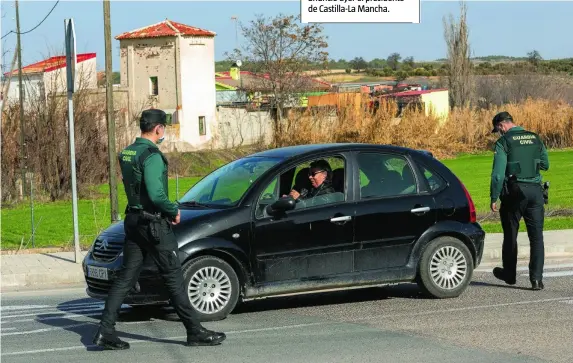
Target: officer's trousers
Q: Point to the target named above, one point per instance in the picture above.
(138, 243)
(529, 206)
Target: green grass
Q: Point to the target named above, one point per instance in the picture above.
(55, 226)
(475, 171)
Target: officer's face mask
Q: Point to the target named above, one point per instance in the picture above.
(160, 140)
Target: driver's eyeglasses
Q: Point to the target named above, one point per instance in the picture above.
(313, 174)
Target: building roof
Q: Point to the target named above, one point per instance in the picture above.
(414, 93)
(166, 28)
(256, 82)
(51, 64)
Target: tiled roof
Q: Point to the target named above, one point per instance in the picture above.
(166, 28)
(51, 64)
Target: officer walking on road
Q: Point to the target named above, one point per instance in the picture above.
(148, 228)
(519, 156)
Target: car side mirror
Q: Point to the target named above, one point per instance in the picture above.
(281, 206)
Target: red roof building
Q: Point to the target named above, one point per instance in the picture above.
(51, 64)
(166, 28)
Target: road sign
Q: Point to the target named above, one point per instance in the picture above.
(70, 76)
(71, 58)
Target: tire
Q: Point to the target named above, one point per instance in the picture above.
(211, 271)
(456, 254)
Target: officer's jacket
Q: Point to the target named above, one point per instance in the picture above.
(519, 153)
(145, 178)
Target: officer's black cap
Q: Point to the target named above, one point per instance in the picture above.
(500, 117)
(153, 116)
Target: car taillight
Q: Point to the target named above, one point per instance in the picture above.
(473, 217)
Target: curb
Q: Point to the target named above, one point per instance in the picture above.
(11, 282)
(45, 269)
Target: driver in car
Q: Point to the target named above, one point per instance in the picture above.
(320, 175)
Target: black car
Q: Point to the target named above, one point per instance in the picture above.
(391, 215)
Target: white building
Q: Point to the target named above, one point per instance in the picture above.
(171, 66)
(49, 76)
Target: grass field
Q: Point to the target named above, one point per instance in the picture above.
(54, 227)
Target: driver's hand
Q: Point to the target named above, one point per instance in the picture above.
(293, 193)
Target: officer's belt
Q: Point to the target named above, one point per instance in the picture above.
(145, 214)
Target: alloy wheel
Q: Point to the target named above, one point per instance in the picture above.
(448, 267)
(209, 290)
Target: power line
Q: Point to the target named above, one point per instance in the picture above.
(28, 31)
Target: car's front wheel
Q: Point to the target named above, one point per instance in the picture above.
(445, 268)
(212, 287)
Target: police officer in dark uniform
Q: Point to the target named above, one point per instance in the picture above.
(148, 228)
(518, 158)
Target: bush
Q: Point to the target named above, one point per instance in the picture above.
(468, 129)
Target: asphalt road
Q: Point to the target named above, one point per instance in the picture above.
(490, 322)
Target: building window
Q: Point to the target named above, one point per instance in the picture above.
(154, 86)
(202, 128)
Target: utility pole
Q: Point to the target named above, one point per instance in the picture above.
(110, 114)
(235, 19)
(22, 134)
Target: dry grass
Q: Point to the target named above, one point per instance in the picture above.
(465, 130)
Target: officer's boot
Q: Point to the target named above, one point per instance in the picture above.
(200, 336)
(109, 341)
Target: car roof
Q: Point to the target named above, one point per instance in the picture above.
(300, 150)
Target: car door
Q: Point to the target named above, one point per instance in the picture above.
(391, 213)
(313, 241)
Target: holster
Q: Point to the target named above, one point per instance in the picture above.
(511, 191)
(154, 224)
(546, 192)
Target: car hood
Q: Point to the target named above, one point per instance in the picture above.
(187, 215)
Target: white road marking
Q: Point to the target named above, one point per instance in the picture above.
(53, 312)
(46, 329)
(4, 329)
(525, 268)
(555, 274)
(56, 310)
(67, 316)
(22, 307)
(170, 338)
(39, 307)
(386, 316)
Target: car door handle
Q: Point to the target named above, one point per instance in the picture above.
(340, 219)
(420, 210)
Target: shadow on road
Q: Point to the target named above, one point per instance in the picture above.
(86, 329)
(148, 313)
(480, 283)
(401, 291)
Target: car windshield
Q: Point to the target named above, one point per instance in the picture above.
(227, 185)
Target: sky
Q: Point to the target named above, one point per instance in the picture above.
(511, 28)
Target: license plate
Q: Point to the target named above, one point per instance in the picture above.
(99, 273)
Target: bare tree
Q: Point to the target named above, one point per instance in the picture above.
(458, 69)
(278, 50)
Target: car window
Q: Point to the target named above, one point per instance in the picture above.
(328, 187)
(385, 175)
(227, 185)
(435, 181)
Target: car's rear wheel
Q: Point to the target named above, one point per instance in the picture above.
(212, 287)
(445, 268)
